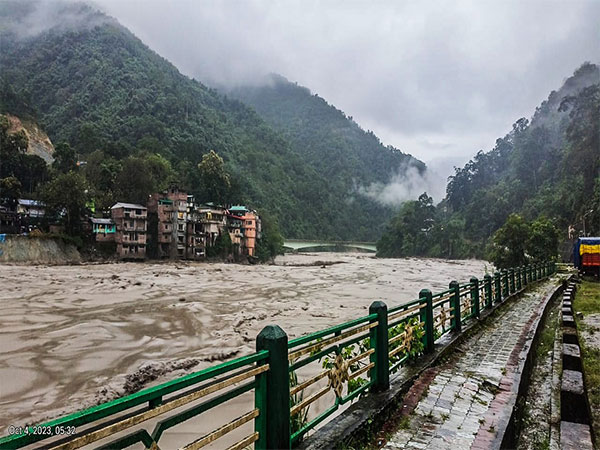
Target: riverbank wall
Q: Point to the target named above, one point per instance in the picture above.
(37, 250)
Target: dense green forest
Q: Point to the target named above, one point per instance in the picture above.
(140, 124)
(335, 146)
(545, 169)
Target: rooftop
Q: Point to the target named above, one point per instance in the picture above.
(127, 205)
(102, 221)
(28, 202)
(238, 209)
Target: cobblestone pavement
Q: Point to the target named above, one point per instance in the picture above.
(460, 406)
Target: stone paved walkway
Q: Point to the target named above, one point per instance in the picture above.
(460, 404)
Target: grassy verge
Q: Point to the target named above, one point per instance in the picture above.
(587, 302)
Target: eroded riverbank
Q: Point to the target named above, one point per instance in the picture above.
(71, 336)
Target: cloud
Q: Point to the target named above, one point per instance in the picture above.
(407, 184)
(34, 17)
(414, 72)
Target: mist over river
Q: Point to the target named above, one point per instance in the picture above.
(72, 336)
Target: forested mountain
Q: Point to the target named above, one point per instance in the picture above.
(545, 168)
(331, 142)
(139, 124)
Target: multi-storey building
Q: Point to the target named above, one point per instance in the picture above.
(205, 224)
(167, 217)
(249, 227)
(130, 229)
(235, 226)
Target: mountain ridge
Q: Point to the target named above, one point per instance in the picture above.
(101, 89)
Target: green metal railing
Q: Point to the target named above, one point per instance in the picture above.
(353, 358)
(99, 422)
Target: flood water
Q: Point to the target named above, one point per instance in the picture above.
(72, 336)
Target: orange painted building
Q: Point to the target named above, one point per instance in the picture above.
(248, 225)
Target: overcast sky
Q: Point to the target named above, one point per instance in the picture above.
(437, 79)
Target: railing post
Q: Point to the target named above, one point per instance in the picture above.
(379, 341)
(525, 275)
(272, 395)
(497, 286)
(511, 273)
(426, 316)
(530, 272)
(536, 271)
(455, 302)
(488, 290)
(504, 283)
(519, 283)
(475, 295)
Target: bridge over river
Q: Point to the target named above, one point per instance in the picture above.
(300, 244)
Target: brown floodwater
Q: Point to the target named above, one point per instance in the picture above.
(72, 336)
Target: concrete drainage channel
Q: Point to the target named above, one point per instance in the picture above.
(575, 431)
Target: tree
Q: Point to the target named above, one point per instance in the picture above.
(134, 183)
(411, 231)
(142, 175)
(160, 170)
(68, 194)
(101, 172)
(10, 188)
(270, 243)
(509, 243)
(542, 244)
(30, 170)
(65, 158)
(223, 246)
(215, 182)
(12, 146)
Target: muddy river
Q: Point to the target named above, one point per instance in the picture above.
(72, 336)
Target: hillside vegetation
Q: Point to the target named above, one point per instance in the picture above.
(331, 143)
(95, 86)
(545, 168)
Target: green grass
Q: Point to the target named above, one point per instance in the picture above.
(546, 343)
(587, 301)
(404, 423)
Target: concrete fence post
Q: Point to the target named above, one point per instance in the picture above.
(455, 302)
(378, 335)
(426, 316)
(475, 296)
(273, 423)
